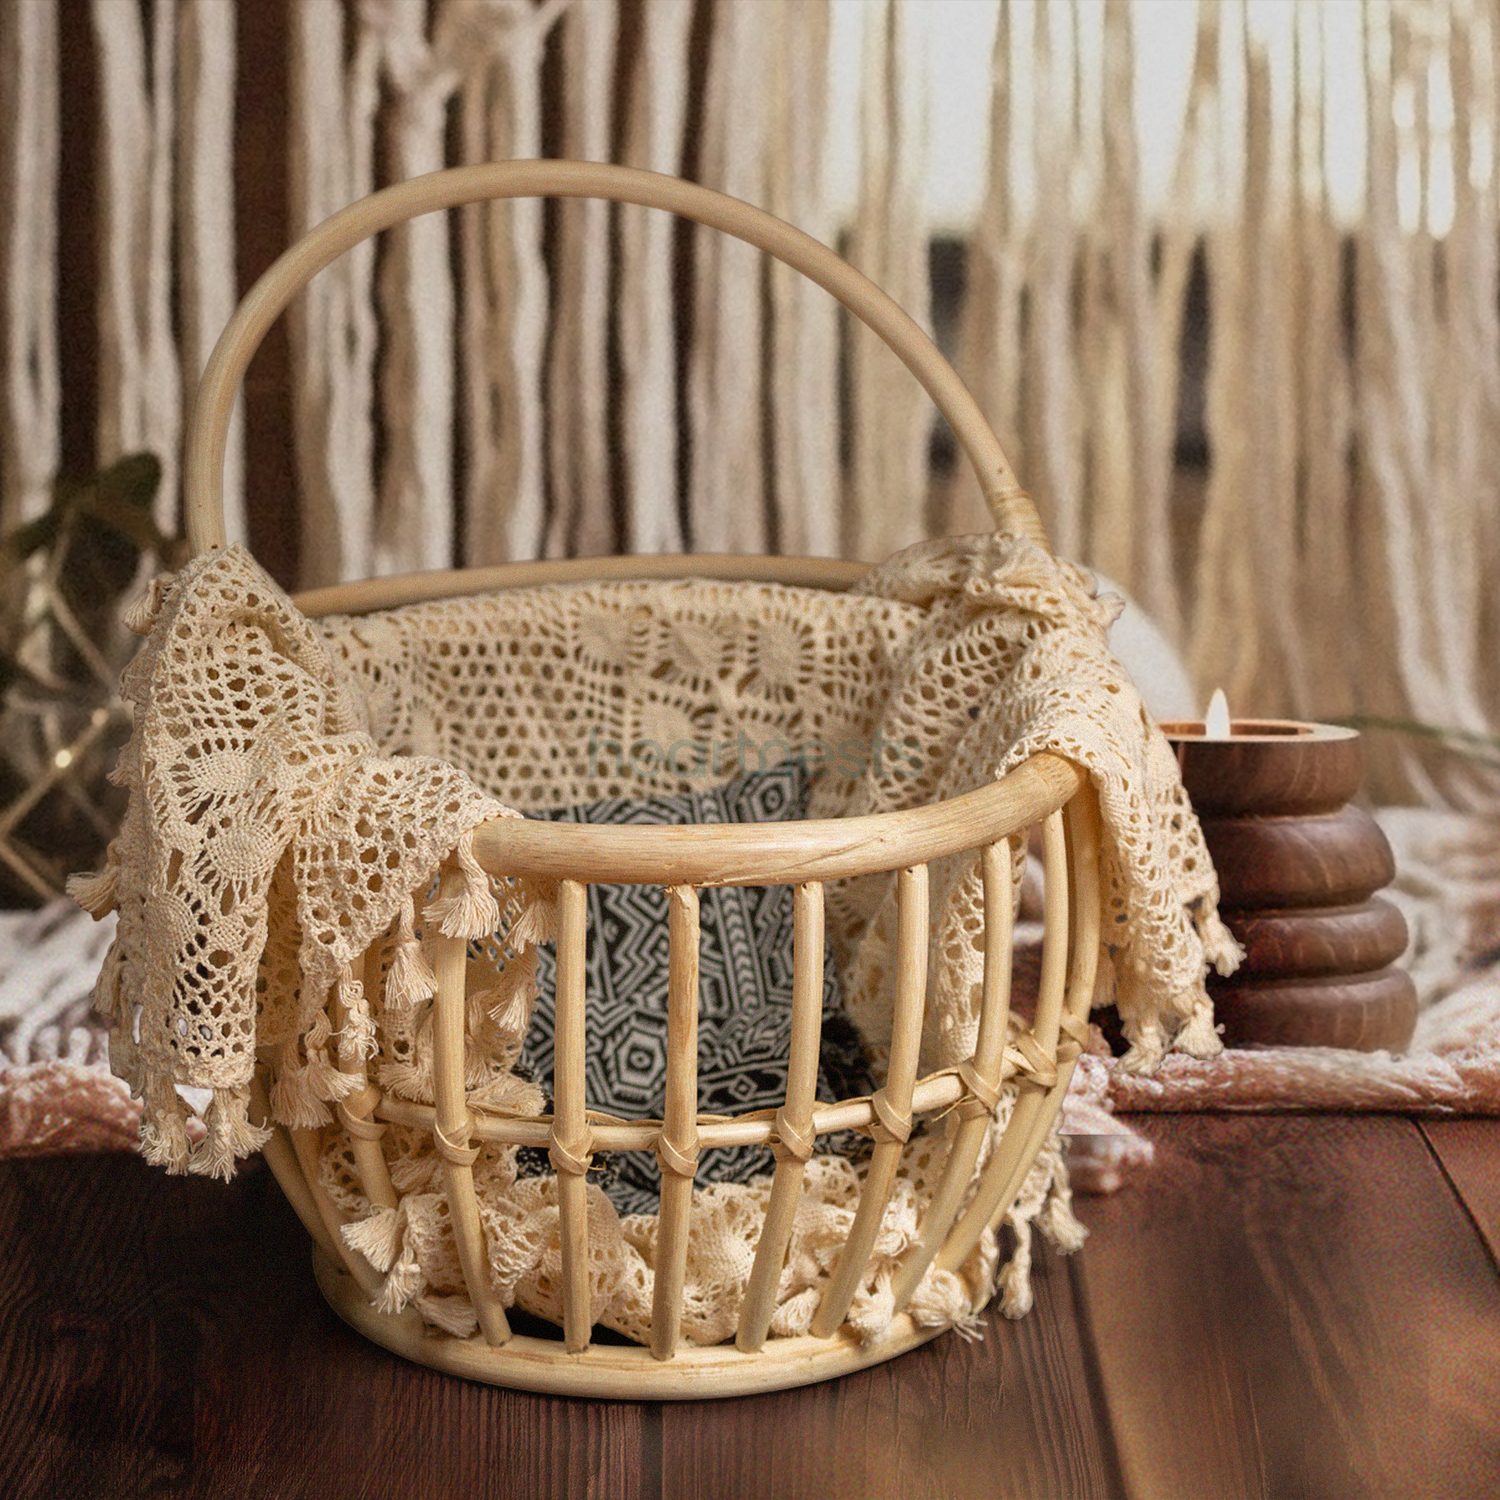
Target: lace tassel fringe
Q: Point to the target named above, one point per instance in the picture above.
(98, 893)
(1220, 946)
(357, 1041)
(230, 1135)
(141, 615)
(410, 979)
(537, 922)
(164, 1140)
(472, 912)
(377, 1238)
(1199, 1037)
(453, 1315)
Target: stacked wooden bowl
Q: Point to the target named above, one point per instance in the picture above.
(1299, 870)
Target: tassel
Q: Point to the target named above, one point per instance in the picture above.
(453, 1315)
(1055, 1218)
(1143, 1028)
(508, 1004)
(141, 615)
(357, 1042)
(410, 979)
(473, 912)
(504, 1091)
(537, 922)
(1220, 947)
(293, 1101)
(512, 1017)
(794, 1317)
(416, 1174)
(164, 1141)
(326, 1081)
(871, 1311)
(377, 1238)
(941, 1300)
(408, 1080)
(403, 1283)
(1015, 1279)
(230, 1135)
(1059, 1223)
(97, 893)
(1199, 1037)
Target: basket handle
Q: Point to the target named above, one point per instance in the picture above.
(263, 304)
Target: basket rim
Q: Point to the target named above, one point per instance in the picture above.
(395, 591)
(809, 849)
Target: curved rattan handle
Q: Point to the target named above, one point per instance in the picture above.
(209, 426)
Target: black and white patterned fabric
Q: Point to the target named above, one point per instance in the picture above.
(745, 991)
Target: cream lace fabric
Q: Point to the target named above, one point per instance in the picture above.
(296, 787)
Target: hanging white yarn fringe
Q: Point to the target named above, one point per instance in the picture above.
(140, 404)
(578, 379)
(332, 324)
(503, 308)
(205, 229)
(803, 376)
(889, 237)
(414, 527)
(647, 315)
(727, 479)
(30, 414)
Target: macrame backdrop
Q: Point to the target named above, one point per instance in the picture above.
(526, 380)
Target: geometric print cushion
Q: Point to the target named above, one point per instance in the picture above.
(744, 996)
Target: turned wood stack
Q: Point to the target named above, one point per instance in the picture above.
(1299, 870)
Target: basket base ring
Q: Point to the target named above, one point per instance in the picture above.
(608, 1371)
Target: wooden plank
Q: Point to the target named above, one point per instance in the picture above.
(1013, 1414)
(164, 1336)
(1293, 1306)
(1469, 1151)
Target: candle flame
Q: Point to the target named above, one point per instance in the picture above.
(1216, 721)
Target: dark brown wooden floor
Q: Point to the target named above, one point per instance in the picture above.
(1284, 1307)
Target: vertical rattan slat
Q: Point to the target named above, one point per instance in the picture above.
(1083, 839)
(794, 1140)
(1036, 1078)
(308, 1145)
(677, 1145)
(452, 1126)
(892, 1101)
(281, 1157)
(1082, 823)
(356, 1111)
(569, 1151)
(981, 1073)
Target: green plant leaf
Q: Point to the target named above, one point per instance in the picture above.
(32, 537)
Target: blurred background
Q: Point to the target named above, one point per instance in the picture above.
(1225, 274)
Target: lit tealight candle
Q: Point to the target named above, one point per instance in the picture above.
(1299, 867)
(1216, 725)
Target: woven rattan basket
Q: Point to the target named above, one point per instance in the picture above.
(807, 855)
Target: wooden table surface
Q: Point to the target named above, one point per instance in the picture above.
(1284, 1306)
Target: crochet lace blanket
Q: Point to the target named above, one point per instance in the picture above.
(295, 788)
(253, 786)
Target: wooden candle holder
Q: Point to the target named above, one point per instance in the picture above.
(1299, 868)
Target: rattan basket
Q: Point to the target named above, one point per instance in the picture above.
(1046, 790)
